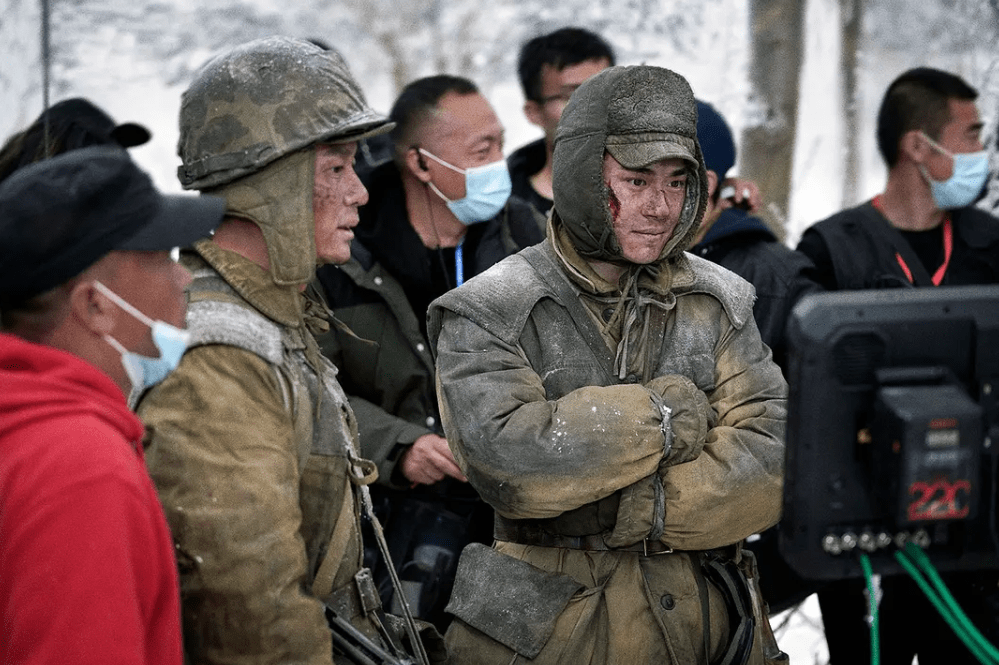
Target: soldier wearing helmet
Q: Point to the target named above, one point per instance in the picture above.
(253, 444)
(609, 395)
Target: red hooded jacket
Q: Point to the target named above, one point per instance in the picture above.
(87, 573)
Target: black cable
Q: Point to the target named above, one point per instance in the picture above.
(992, 503)
(46, 67)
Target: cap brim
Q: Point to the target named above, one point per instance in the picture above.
(130, 134)
(362, 131)
(181, 220)
(638, 152)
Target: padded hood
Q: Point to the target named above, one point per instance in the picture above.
(638, 111)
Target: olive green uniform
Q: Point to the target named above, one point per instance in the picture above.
(253, 486)
(253, 445)
(627, 435)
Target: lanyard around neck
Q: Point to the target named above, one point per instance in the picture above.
(948, 242)
(459, 264)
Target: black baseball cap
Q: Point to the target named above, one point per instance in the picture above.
(61, 215)
(68, 125)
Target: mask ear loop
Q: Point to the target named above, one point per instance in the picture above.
(128, 307)
(431, 185)
(459, 268)
(440, 161)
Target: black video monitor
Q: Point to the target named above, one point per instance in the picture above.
(893, 429)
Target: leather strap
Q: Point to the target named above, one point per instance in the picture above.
(322, 585)
(592, 543)
(357, 598)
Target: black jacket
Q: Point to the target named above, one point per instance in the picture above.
(745, 245)
(523, 163)
(855, 249)
(382, 294)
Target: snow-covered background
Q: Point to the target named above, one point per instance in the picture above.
(135, 57)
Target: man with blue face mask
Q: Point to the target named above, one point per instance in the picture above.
(438, 214)
(92, 310)
(919, 232)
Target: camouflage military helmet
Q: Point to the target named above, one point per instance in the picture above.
(263, 100)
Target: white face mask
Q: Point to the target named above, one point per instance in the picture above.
(487, 189)
(145, 372)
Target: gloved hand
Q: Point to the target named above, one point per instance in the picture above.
(689, 416)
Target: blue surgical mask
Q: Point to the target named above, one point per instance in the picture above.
(145, 372)
(971, 170)
(487, 189)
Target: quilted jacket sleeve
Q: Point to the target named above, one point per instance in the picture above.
(733, 488)
(528, 456)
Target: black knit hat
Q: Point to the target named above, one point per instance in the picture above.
(716, 140)
(60, 216)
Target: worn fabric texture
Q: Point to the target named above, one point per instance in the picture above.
(780, 276)
(263, 100)
(267, 103)
(383, 355)
(287, 222)
(638, 101)
(87, 572)
(563, 421)
(382, 351)
(253, 451)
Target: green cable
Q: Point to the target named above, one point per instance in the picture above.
(937, 602)
(919, 557)
(872, 603)
(923, 561)
(957, 621)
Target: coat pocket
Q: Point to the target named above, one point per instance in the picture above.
(509, 600)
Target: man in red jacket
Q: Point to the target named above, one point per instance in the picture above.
(91, 312)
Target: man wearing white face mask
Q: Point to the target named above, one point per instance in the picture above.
(87, 571)
(437, 215)
(921, 232)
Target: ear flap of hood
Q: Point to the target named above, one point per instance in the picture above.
(638, 103)
(278, 199)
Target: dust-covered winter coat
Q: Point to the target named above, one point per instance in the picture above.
(621, 443)
(253, 447)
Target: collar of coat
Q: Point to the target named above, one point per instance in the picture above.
(283, 304)
(678, 275)
(652, 277)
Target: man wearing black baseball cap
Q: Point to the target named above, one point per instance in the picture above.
(91, 310)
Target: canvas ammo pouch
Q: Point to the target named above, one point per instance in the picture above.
(509, 600)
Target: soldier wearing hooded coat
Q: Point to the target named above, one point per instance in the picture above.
(628, 430)
(253, 443)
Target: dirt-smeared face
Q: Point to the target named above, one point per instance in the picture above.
(641, 116)
(645, 205)
(336, 196)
